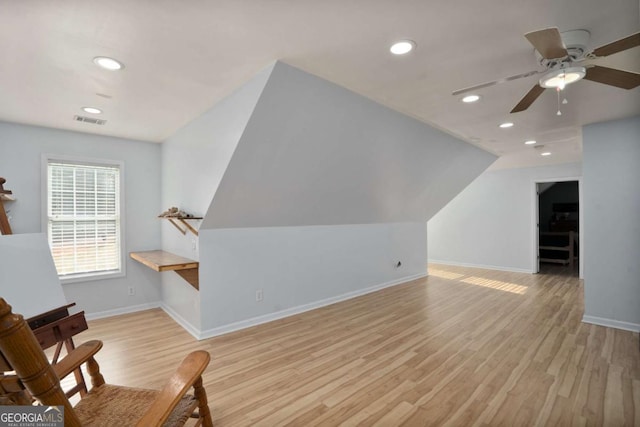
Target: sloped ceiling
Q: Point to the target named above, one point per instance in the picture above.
(314, 153)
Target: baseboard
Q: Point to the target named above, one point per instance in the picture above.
(484, 266)
(610, 323)
(195, 332)
(123, 310)
(254, 321)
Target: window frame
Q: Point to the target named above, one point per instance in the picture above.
(44, 228)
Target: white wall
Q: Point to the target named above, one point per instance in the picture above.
(490, 223)
(611, 158)
(194, 160)
(20, 163)
(300, 268)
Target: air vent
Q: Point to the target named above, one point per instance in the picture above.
(89, 120)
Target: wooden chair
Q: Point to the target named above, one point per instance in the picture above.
(104, 405)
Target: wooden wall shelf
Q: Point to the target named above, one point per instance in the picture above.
(176, 221)
(159, 260)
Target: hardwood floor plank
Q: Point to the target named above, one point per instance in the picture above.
(636, 401)
(380, 406)
(461, 347)
(614, 414)
(396, 416)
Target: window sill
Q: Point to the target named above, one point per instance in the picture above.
(90, 277)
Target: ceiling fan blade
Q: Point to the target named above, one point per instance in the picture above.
(613, 77)
(548, 43)
(495, 82)
(528, 99)
(618, 46)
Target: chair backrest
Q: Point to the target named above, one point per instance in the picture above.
(21, 351)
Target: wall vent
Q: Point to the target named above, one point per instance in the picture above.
(89, 120)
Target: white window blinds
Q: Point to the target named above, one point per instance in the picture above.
(83, 210)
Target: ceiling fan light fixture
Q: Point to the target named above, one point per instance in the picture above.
(402, 47)
(561, 77)
(470, 98)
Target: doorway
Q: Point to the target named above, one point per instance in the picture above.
(558, 214)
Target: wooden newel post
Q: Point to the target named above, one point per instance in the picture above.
(5, 227)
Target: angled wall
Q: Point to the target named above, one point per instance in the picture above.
(20, 281)
(325, 193)
(193, 162)
(314, 153)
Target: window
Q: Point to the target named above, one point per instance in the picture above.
(83, 218)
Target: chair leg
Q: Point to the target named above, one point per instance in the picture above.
(203, 404)
(94, 372)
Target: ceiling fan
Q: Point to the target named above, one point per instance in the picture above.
(561, 55)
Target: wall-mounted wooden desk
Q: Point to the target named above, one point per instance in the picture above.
(165, 261)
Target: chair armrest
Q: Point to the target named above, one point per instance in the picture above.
(189, 371)
(77, 357)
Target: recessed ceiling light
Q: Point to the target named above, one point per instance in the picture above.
(546, 153)
(402, 47)
(470, 98)
(107, 63)
(506, 125)
(92, 110)
(530, 142)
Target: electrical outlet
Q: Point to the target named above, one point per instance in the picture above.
(132, 290)
(194, 244)
(259, 295)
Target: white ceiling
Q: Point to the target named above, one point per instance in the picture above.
(183, 56)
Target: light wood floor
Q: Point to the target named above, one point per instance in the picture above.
(462, 347)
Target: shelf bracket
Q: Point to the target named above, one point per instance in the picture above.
(189, 227)
(182, 225)
(175, 224)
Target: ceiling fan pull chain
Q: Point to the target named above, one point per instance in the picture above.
(559, 113)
